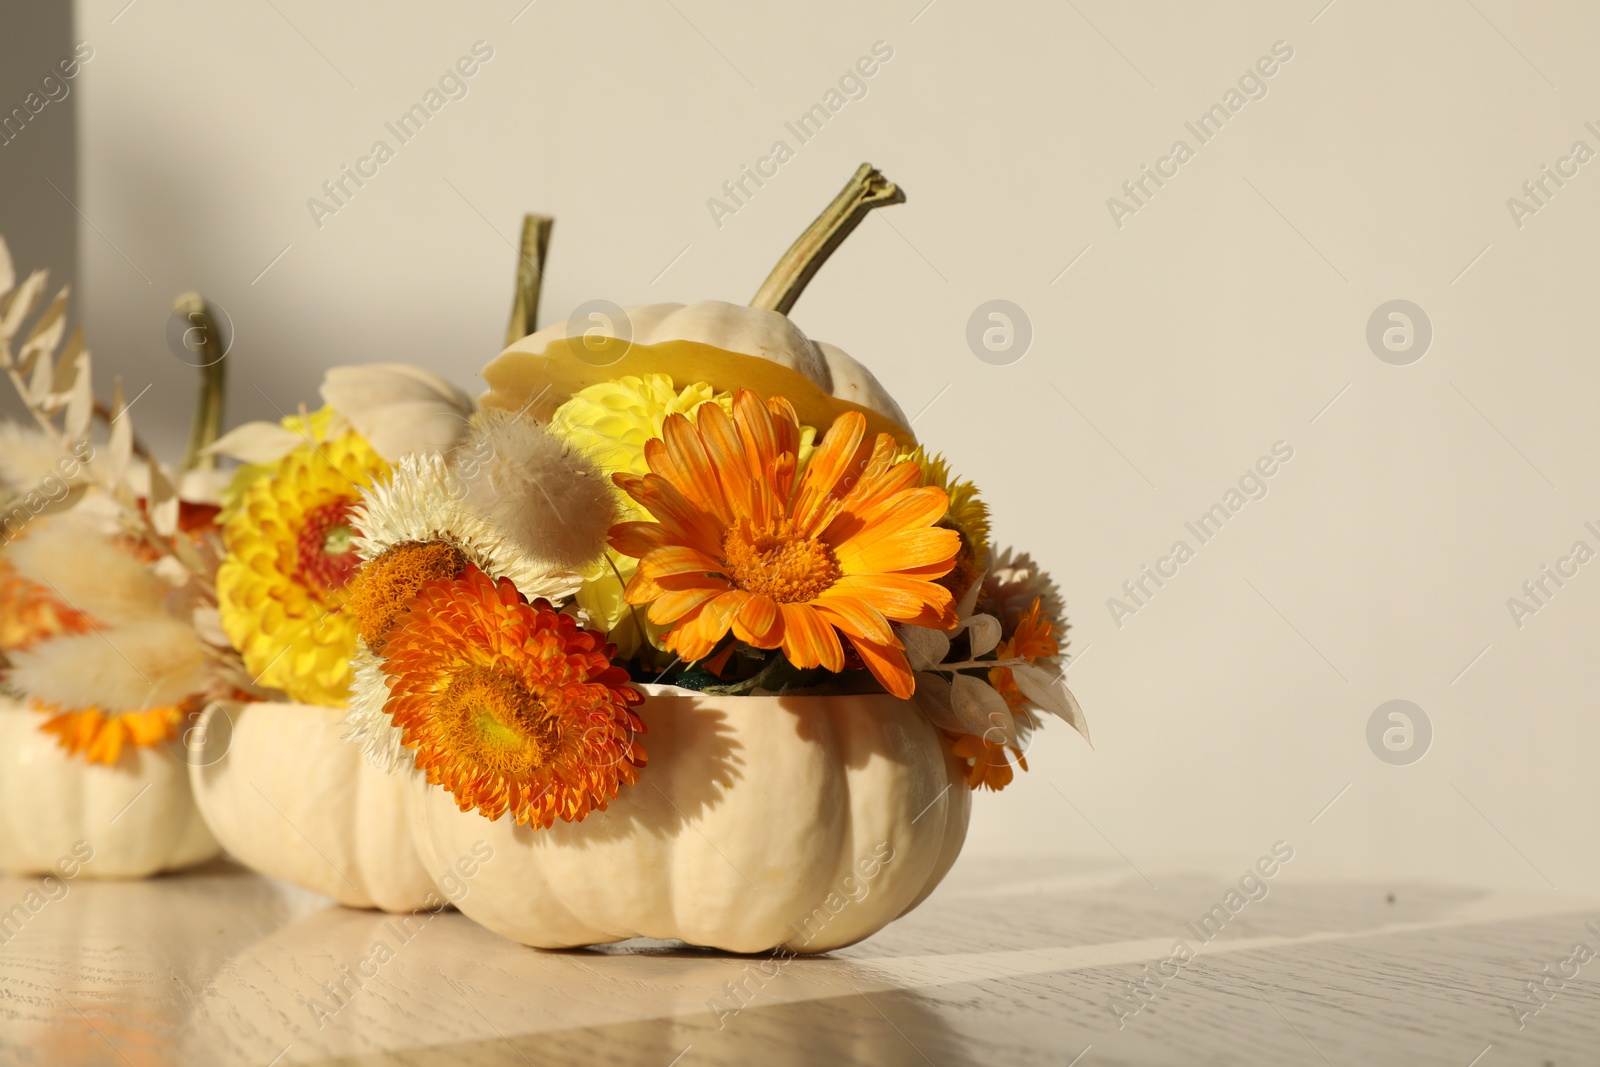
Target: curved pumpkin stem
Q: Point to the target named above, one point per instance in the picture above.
(530, 276)
(865, 190)
(207, 424)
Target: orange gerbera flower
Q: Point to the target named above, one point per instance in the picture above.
(509, 705)
(787, 562)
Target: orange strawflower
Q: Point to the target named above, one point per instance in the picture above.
(510, 705)
(786, 562)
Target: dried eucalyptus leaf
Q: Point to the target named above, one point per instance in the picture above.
(933, 696)
(1051, 695)
(925, 648)
(984, 633)
(981, 710)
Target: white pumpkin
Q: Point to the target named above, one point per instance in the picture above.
(136, 817)
(290, 799)
(759, 822)
(724, 344)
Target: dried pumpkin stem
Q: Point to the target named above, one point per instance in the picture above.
(530, 276)
(866, 190)
(207, 424)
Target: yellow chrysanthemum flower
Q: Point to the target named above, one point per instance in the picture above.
(611, 422)
(968, 516)
(317, 425)
(282, 588)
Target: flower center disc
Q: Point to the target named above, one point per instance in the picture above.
(502, 725)
(383, 588)
(327, 558)
(779, 563)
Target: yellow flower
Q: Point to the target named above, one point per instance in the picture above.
(283, 587)
(611, 422)
(968, 516)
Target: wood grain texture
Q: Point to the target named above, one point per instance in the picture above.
(1007, 963)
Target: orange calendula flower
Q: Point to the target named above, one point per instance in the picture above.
(100, 737)
(787, 561)
(1033, 639)
(989, 767)
(989, 759)
(29, 613)
(510, 705)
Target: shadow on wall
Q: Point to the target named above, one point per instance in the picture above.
(38, 145)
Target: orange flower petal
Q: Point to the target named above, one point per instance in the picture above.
(808, 640)
(932, 547)
(833, 459)
(855, 616)
(674, 604)
(678, 559)
(696, 475)
(888, 665)
(758, 622)
(700, 630)
(638, 539)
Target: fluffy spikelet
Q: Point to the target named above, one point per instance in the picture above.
(119, 668)
(27, 458)
(88, 571)
(547, 496)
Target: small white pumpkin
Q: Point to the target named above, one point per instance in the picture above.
(712, 341)
(759, 822)
(289, 798)
(137, 816)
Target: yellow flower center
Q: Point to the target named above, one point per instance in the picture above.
(384, 587)
(490, 719)
(779, 562)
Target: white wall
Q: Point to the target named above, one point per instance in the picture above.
(1220, 318)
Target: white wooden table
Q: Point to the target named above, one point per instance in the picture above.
(1009, 962)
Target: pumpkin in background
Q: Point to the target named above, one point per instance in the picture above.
(137, 816)
(288, 798)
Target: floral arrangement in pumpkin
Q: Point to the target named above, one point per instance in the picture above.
(509, 595)
(108, 614)
(517, 588)
(487, 588)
